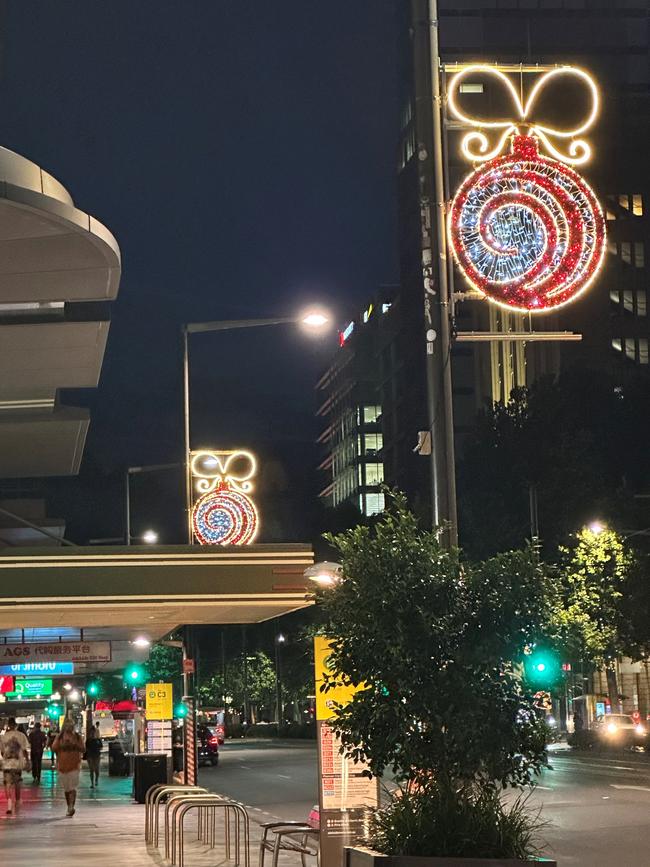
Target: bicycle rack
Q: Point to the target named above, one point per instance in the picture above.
(179, 804)
(153, 798)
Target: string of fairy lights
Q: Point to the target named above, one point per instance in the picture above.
(526, 229)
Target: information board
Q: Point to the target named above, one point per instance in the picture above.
(345, 794)
(159, 703)
(56, 651)
(37, 668)
(31, 688)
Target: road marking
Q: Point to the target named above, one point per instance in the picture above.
(245, 767)
(283, 776)
(635, 788)
(544, 788)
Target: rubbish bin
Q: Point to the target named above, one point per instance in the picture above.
(118, 761)
(148, 770)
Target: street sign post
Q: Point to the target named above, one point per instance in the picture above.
(159, 703)
(56, 651)
(346, 795)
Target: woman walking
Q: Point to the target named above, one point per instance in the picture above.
(69, 748)
(93, 755)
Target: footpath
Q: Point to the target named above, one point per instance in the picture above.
(107, 829)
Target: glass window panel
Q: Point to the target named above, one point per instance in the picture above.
(630, 349)
(624, 202)
(614, 296)
(374, 442)
(641, 303)
(639, 255)
(643, 350)
(616, 344)
(371, 414)
(374, 504)
(374, 474)
(637, 205)
(628, 300)
(626, 252)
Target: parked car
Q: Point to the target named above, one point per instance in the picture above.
(208, 745)
(620, 730)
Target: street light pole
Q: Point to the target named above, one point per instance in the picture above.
(312, 320)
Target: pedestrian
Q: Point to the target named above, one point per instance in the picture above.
(51, 736)
(93, 755)
(14, 748)
(69, 748)
(37, 741)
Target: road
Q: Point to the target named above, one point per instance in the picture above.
(597, 807)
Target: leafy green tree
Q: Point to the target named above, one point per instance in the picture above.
(253, 682)
(593, 578)
(165, 664)
(434, 645)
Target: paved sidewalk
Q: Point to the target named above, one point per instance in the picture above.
(107, 830)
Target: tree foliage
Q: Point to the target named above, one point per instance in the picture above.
(435, 645)
(253, 682)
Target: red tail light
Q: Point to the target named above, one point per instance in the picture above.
(214, 741)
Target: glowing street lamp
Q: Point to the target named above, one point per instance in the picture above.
(150, 537)
(313, 320)
(596, 528)
(324, 574)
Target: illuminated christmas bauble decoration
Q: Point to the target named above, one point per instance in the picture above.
(225, 517)
(526, 230)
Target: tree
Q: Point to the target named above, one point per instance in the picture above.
(165, 665)
(434, 646)
(593, 578)
(246, 681)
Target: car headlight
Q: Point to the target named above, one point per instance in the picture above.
(612, 728)
(640, 730)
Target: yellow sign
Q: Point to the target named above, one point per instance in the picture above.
(159, 701)
(339, 694)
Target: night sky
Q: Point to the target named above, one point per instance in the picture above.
(243, 153)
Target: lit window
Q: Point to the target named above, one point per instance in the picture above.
(643, 350)
(637, 205)
(624, 202)
(641, 303)
(639, 255)
(630, 349)
(374, 442)
(615, 296)
(374, 474)
(626, 252)
(616, 344)
(611, 207)
(385, 308)
(374, 504)
(371, 414)
(628, 301)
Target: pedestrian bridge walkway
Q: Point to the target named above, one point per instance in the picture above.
(107, 829)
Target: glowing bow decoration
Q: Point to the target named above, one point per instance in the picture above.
(578, 152)
(224, 514)
(233, 469)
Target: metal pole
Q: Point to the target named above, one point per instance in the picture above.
(127, 507)
(186, 437)
(443, 447)
(278, 687)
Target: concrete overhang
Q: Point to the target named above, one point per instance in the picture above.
(42, 443)
(49, 249)
(151, 589)
(38, 359)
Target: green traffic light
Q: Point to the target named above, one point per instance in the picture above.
(181, 710)
(542, 668)
(134, 674)
(93, 689)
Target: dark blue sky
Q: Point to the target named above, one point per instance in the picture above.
(243, 153)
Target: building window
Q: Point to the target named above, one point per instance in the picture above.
(374, 504)
(624, 204)
(374, 474)
(374, 442)
(637, 205)
(634, 348)
(371, 414)
(641, 303)
(632, 254)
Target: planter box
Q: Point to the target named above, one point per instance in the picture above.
(358, 857)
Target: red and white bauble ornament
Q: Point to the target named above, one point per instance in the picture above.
(526, 230)
(225, 517)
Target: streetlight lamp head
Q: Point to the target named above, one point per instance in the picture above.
(150, 537)
(141, 641)
(596, 527)
(326, 574)
(315, 319)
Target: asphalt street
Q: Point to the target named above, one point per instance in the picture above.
(597, 807)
